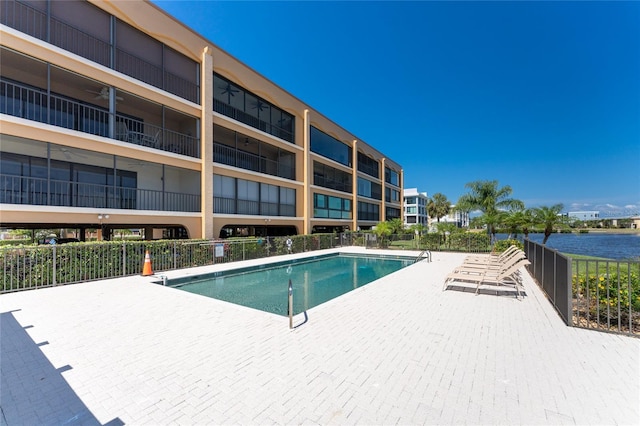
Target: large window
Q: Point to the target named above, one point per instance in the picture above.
(238, 103)
(392, 195)
(329, 177)
(329, 147)
(241, 196)
(368, 211)
(368, 165)
(369, 189)
(392, 213)
(327, 206)
(391, 176)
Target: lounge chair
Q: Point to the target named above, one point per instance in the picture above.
(494, 256)
(508, 274)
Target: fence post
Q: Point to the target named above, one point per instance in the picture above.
(55, 258)
(570, 292)
(124, 258)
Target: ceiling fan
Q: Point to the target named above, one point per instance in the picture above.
(103, 94)
(68, 153)
(228, 89)
(259, 105)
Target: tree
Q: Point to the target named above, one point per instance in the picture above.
(396, 225)
(549, 217)
(486, 196)
(516, 220)
(438, 206)
(382, 231)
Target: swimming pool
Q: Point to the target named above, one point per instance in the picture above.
(315, 280)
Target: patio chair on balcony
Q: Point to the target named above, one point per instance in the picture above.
(122, 131)
(151, 140)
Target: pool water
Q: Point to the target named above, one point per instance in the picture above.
(314, 281)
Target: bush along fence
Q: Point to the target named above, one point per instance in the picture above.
(595, 294)
(28, 267)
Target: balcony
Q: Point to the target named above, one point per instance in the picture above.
(78, 103)
(85, 31)
(43, 192)
(46, 174)
(238, 150)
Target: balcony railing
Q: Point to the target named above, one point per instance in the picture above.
(241, 116)
(25, 102)
(29, 20)
(225, 205)
(228, 155)
(38, 191)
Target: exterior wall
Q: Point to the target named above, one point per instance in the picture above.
(160, 170)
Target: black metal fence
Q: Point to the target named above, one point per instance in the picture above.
(597, 294)
(552, 271)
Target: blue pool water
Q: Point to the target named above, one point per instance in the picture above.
(314, 280)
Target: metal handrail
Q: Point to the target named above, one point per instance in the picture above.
(290, 310)
(423, 252)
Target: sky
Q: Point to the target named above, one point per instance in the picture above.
(541, 96)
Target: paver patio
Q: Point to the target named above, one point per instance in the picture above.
(397, 351)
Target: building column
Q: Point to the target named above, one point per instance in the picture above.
(308, 174)
(383, 211)
(401, 186)
(354, 186)
(206, 144)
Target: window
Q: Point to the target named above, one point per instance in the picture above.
(330, 177)
(240, 196)
(240, 104)
(329, 147)
(327, 206)
(410, 200)
(392, 195)
(391, 176)
(368, 165)
(368, 211)
(392, 213)
(369, 189)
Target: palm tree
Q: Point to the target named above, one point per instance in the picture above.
(397, 225)
(549, 217)
(519, 219)
(486, 196)
(438, 206)
(383, 230)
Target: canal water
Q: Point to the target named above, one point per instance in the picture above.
(611, 246)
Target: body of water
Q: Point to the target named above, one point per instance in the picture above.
(611, 246)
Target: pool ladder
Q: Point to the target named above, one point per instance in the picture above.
(290, 301)
(426, 254)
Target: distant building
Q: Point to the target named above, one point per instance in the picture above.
(415, 207)
(461, 219)
(584, 215)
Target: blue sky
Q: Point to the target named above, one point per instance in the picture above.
(541, 96)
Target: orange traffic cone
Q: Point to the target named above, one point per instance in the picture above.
(147, 265)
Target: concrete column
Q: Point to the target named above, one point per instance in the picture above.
(354, 195)
(383, 212)
(206, 143)
(308, 174)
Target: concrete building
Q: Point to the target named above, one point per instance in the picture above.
(415, 207)
(584, 215)
(460, 219)
(116, 115)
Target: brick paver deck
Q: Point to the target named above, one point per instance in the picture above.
(397, 351)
